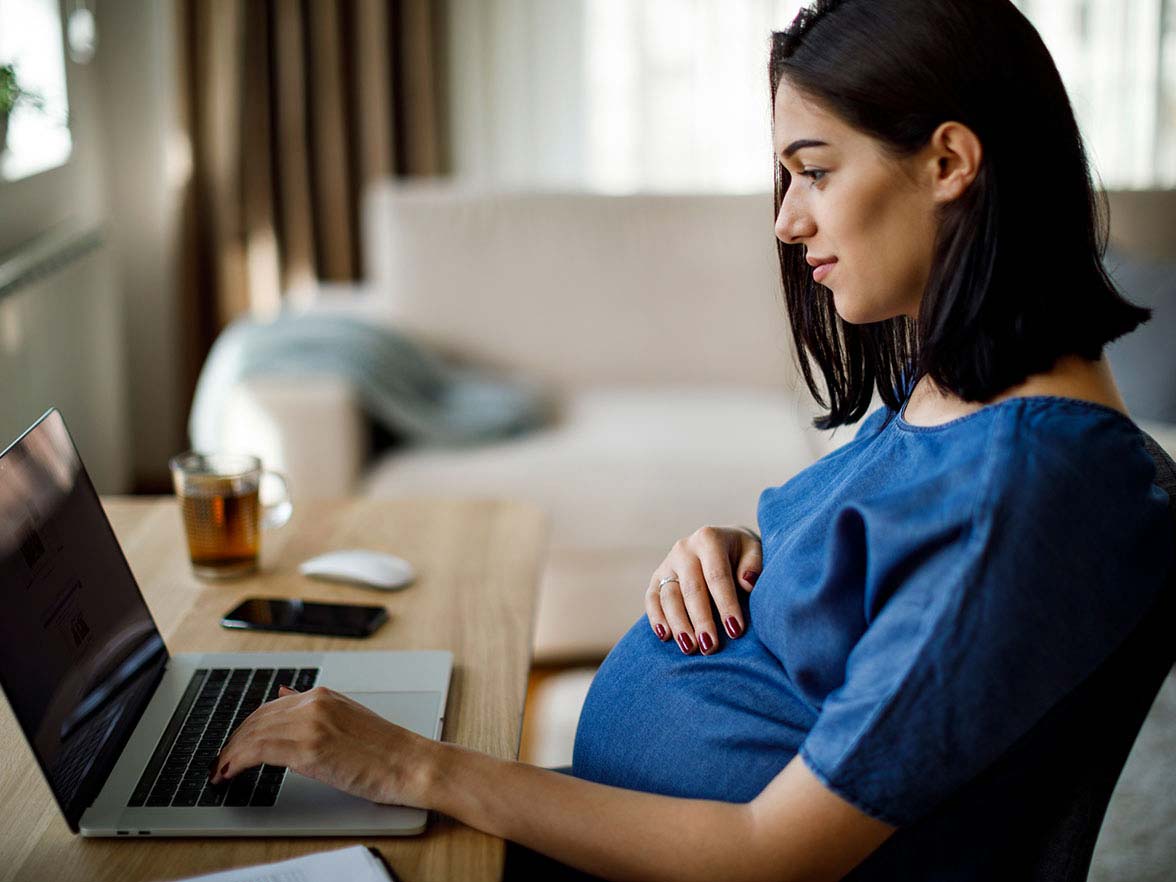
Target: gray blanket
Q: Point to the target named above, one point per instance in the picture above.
(411, 392)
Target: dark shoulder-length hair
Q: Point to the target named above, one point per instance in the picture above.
(1017, 278)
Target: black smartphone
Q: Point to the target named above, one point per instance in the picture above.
(305, 617)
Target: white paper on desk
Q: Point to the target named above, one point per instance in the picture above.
(355, 864)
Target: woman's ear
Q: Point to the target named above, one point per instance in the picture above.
(953, 156)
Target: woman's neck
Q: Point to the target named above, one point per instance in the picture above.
(1070, 377)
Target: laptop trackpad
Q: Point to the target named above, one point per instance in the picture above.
(417, 711)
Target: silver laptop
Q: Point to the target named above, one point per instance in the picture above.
(125, 733)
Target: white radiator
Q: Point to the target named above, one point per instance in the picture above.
(61, 345)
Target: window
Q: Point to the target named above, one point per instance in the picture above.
(622, 95)
(36, 131)
(1118, 61)
(678, 93)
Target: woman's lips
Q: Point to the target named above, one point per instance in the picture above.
(823, 270)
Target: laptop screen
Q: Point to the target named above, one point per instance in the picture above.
(79, 652)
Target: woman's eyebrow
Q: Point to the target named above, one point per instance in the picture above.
(800, 145)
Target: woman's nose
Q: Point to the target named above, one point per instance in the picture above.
(791, 225)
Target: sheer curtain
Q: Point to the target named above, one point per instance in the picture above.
(1118, 60)
(671, 95)
(613, 95)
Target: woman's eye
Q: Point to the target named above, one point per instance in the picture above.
(815, 174)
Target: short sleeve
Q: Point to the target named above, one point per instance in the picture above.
(1067, 547)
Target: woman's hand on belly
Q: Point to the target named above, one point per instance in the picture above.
(705, 566)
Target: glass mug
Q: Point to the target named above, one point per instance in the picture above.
(220, 499)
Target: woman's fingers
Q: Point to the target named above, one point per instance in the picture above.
(696, 597)
(264, 740)
(259, 717)
(706, 569)
(751, 561)
(653, 608)
(260, 748)
(716, 569)
(677, 618)
(246, 732)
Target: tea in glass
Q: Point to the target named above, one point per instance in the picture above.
(223, 516)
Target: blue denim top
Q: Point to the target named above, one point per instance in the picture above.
(927, 595)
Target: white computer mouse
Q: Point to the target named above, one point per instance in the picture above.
(375, 569)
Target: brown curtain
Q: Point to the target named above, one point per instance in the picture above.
(292, 107)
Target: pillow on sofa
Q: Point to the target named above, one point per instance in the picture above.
(1144, 361)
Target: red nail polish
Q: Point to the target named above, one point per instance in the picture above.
(685, 642)
(705, 641)
(750, 576)
(733, 627)
(224, 770)
(661, 632)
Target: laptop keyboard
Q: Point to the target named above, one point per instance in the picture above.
(215, 703)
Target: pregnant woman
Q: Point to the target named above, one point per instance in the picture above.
(875, 688)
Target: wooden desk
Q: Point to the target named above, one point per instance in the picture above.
(478, 563)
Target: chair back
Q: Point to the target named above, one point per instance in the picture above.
(1126, 687)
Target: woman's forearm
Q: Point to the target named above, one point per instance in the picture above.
(607, 831)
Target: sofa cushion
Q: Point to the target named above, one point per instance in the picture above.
(623, 474)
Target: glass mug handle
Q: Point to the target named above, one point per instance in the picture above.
(276, 514)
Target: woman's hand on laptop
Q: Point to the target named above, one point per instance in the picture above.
(707, 565)
(329, 737)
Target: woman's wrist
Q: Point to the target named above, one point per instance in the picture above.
(416, 776)
(453, 781)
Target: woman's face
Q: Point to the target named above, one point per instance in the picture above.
(850, 201)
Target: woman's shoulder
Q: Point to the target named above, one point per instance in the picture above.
(1071, 468)
(1012, 433)
(1055, 432)
(1046, 459)
(1026, 450)
(1058, 488)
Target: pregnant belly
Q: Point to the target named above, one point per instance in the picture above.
(716, 727)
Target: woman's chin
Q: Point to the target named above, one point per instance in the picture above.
(850, 311)
(854, 312)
